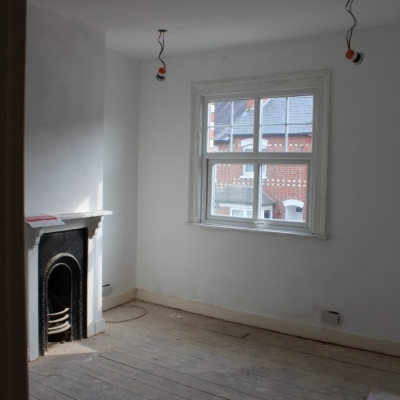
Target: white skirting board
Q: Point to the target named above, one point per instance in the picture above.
(282, 326)
(114, 301)
(382, 396)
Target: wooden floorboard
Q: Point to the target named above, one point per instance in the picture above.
(217, 372)
(191, 379)
(367, 375)
(167, 388)
(263, 367)
(211, 381)
(174, 355)
(100, 383)
(39, 391)
(320, 349)
(68, 387)
(278, 340)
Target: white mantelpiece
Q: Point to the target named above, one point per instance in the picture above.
(91, 221)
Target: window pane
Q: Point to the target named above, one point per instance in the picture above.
(286, 122)
(237, 213)
(230, 192)
(285, 189)
(300, 110)
(273, 110)
(229, 122)
(249, 169)
(299, 138)
(273, 129)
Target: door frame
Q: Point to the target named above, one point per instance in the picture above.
(13, 335)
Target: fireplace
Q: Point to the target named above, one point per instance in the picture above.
(62, 286)
(64, 280)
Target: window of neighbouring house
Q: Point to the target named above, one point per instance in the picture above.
(259, 154)
(248, 169)
(243, 213)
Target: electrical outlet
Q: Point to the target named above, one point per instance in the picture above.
(330, 317)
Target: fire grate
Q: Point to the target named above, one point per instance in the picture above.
(60, 323)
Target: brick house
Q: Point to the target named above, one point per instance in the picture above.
(286, 125)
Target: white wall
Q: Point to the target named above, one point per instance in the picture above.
(64, 114)
(120, 172)
(82, 126)
(357, 271)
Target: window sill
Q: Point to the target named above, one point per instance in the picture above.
(258, 230)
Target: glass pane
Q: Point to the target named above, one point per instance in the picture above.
(244, 131)
(273, 110)
(300, 129)
(237, 213)
(222, 112)
(273, 138)
(286, 123)
(284, 192)
(232, 195)
(273, 129)
(249, 168)
(230, 122)
(219, 138)
(300, 138)
(300, 110)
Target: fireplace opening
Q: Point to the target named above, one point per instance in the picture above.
(59, 304)
(62, 288)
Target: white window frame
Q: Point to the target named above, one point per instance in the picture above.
(314, 83)
(247, 144)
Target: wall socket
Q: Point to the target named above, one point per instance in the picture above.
(107, 289)
(330, 317)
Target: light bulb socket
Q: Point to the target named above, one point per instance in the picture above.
(355, 56)
(161, 74)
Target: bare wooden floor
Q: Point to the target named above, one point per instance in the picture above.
(170, 354)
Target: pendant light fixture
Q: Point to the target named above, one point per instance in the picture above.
(354, 56)
(162, 71)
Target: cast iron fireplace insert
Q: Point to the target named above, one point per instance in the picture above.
(62, 286)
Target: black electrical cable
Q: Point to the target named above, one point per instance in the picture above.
(349, 4)
(129, 319)
(162, 31)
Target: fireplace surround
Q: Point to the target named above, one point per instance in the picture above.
(76, 273)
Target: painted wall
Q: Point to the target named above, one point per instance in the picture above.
(120, 171)
(356, 271)
(82, 126)
(64, 114)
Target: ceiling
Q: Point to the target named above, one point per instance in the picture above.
(196, 25)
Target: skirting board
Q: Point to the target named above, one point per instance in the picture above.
(382, 396)
(111, 302)
(282, 326)
(99, 326)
